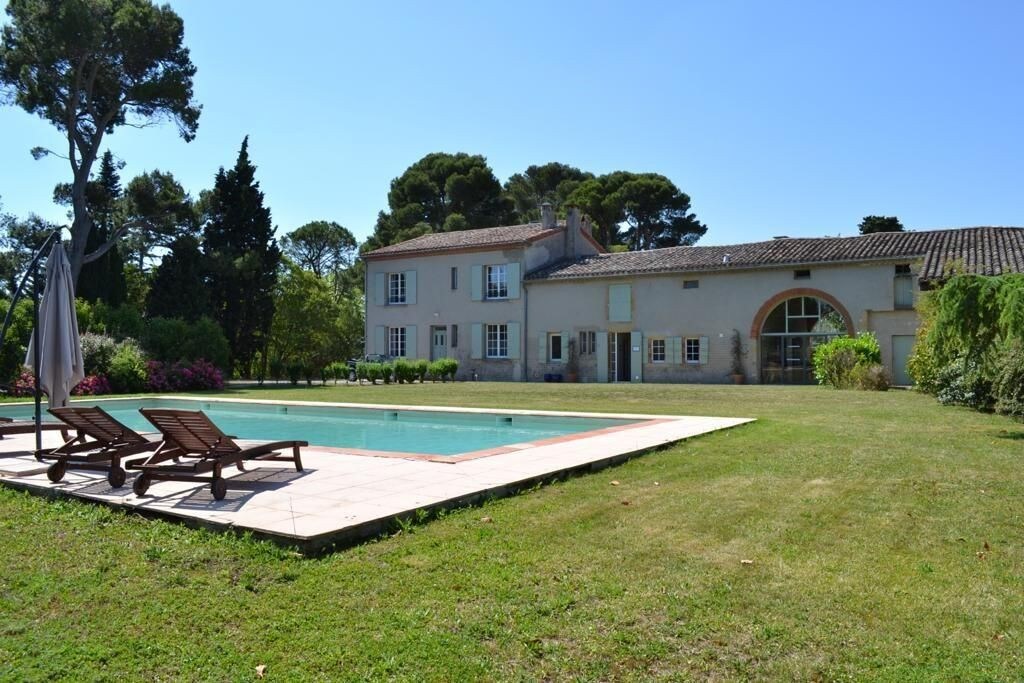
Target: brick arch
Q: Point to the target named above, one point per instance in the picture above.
(768, 306)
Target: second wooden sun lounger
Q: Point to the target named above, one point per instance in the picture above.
(193, 446)
(101, 444)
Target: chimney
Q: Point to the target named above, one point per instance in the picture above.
(572, 231)
(547, 215)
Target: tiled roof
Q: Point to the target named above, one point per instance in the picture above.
(506, 235)
(986, 251)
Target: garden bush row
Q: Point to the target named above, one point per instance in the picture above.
(408, 371)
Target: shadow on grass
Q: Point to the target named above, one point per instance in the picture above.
(1013, 436)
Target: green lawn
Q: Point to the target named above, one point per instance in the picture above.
(885, 534)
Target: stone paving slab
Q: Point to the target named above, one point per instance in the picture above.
(343, 498)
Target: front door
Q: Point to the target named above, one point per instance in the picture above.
(438, 342)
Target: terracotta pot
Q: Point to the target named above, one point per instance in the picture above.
(738, 378)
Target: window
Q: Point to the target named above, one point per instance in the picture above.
(497, 282)
(396, 342)
(903, 287)
(555, 348)
(693, 350)
(396, 288)
(801, 274)
(455, 277)
(455, 336)
(588, 342)
(691, 284)
(497, 341)
(658, 351)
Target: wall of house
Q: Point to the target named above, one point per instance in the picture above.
(723, 302)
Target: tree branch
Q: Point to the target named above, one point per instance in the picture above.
(109, 244)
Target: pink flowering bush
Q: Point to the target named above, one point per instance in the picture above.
(25, 384)
(92, 385)
(183, 376)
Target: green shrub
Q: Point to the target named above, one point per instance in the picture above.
(421, 367)
(442, 369)
(1008, 387)
(387, 372)
(963, 383)
(835, 360)
(871, 377)
(406, 371)
(12, 355)
(374, 371)
(171, 340)
(362, 370)
(97, 352)
(294, 371)
(127, 371)
(337, 370)
(436, 371)
(120, 322)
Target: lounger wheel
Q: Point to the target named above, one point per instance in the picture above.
(116, 477)
(219, 488)
(141, 485)
(56, 471)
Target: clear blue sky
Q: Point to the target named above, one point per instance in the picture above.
(790, 118)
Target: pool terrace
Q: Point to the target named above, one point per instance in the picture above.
(344, 495)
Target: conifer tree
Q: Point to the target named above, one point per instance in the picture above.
(103, 279)
(178, 288)
(242, 260)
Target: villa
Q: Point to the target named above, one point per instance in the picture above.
(514, 302)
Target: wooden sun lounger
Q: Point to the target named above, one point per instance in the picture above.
(193, 446)
(10, 427)
(101, 444)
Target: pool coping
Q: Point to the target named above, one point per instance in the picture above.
(343, 498)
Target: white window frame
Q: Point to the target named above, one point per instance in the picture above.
(396, 288)
(553, 347)
(396, 342)
(655, 343)
(496, 281)
(691, 351)
(496, 340)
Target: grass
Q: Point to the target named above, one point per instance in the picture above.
(883, 533)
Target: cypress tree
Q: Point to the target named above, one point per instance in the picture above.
(103, 279)
(242, 260)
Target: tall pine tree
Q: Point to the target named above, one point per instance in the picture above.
(103, 279)
(242, 259)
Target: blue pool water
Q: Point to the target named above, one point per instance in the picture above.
(410, 431)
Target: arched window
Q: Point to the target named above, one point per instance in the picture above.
(789, 335)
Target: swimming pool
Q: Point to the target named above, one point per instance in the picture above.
(438, 433)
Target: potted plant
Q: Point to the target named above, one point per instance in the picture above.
(736, 371)
(572, 367)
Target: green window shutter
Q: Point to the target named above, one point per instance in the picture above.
(476, 341)
(542, 348)
(513, 273)
(704, 350)
(514, 340)
(676, 345)
(380, 340)
(380, 289)
(620, 303)
(410, 286)
(410, 337)
(636, 341)
(601, 351)
(476, 283)
(565, 345)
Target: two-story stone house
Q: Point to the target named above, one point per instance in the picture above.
(507, 301)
